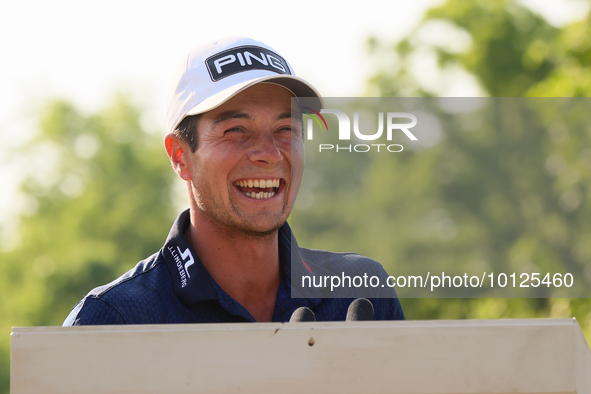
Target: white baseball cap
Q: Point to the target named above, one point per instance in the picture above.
(213, 73)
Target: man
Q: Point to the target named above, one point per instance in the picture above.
(236, 142)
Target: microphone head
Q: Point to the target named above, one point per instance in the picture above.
(302, 314)
(360, 309)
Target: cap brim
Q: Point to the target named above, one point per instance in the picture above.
(298, 86)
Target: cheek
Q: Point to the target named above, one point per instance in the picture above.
(203, 178)
(211, 173)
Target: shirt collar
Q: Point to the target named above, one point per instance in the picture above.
(190, 278)
(293, 264)
(192, 282)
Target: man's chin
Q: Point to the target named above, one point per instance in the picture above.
(252, 226)
(262, 230)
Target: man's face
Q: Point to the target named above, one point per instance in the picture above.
(249, 161)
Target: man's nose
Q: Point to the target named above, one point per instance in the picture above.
(265, 150)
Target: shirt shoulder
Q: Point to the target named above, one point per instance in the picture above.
(342, 277)
(351, 263)
(143, 295)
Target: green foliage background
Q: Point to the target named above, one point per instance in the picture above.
(106, 206)
(520, 191)
(107, 202)
(515, 193)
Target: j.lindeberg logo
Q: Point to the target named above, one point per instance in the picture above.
(244, 58)
(186, 258)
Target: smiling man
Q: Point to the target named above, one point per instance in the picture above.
(236, 142)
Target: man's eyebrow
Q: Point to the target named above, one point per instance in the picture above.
(230, 115)
(241, 115)
(288, 115)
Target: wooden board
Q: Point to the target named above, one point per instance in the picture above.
(470, 356)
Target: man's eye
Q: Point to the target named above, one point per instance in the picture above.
(289, 129)
(285, 131)
(233, 130)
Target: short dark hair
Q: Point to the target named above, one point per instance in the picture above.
(187, 131)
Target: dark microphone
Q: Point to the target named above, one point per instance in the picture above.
(302, 314)
(360, 309)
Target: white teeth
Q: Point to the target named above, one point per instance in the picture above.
(260, 195)
(260, 183)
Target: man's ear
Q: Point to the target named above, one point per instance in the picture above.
(178, 152)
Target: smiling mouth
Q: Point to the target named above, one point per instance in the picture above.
(258, 188)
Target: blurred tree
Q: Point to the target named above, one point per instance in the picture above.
(99, 200)
(507, 50)
(529, 191)
(511, 191)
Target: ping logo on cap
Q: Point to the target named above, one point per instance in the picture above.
(244, 58)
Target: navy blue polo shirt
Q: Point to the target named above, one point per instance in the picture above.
(173, 286)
